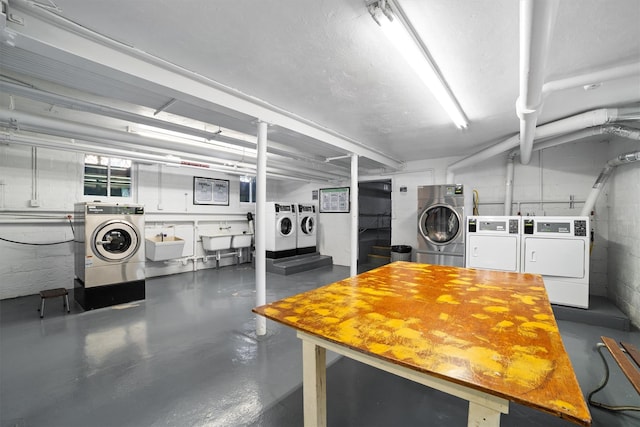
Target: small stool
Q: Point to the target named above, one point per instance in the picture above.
(53, 293)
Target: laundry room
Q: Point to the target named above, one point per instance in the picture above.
(158, 206)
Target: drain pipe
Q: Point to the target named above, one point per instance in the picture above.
(537, 19)
(604, 176)
(622, 131)
(570, 124)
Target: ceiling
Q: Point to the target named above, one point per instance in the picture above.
(322, 64)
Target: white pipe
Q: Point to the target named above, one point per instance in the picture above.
(623, 131)
(508, 200)
(103, 110)
(54, 35)
(260, 226)
(68, 129)
(596, 77)
(604, 176)
(354, 215)
(537, 19)
(81, 105)
(562, 126)
(194, 151)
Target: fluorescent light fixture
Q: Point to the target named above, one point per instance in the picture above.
(404, 37)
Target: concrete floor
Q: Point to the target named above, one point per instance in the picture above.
(188, 356)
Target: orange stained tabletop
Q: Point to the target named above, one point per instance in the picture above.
(488, 330)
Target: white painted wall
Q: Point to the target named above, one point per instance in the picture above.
(166, 193)
(623, 192)
(553, 175)
(333, 229)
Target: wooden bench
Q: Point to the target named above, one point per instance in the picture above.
(54, 293)
(623, 354)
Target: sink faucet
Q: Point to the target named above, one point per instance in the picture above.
(228, 227)
(162, 236)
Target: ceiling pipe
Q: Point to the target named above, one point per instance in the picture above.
(563, 126)
(623, 131)
(53, 36)
(67, 129)
(537, 19)
(592, 80)
(75, 104)
(103, 110)
(609, 167)
(200, 162)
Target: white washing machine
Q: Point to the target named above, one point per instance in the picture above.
(441, 225)
(558, 249)
(281, 226)
(493, 243)
(307, 239)
(109, 254)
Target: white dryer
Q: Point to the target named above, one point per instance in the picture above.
(493, 243)
(307, 238)
(558, 249)
(281, 225)
(109, 254)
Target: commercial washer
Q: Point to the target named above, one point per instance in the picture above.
(109, 254)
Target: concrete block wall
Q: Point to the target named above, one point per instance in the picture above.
(623, 191)
(55, 180)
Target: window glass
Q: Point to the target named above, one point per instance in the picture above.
(248, 189)
(107, 176)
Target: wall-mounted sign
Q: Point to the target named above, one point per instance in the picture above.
(334, 200)
(210, 191)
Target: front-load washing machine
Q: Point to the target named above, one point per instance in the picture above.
(558, 249)
(493, 243)
(109, 254)
(441, 225)
(281, 226)
(307, 238)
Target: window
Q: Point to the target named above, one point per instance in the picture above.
(248, 189)
(107, 176)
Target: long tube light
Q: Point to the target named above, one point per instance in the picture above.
(401, 33)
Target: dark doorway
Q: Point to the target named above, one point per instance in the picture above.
(374, 218)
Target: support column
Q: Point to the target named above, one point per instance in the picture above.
(260, 231)
(354, 215)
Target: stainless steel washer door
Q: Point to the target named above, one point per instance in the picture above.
(115, 241)
(285, 226)
(307, 225)
(439, 224)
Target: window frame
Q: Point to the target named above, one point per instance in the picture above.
(110, 178)
(252, 183)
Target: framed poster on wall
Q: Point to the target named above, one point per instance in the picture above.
(335, 200)
(210, 191)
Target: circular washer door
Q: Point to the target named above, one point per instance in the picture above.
(307, 225)
(285, 226)
(115, 240)
(439, 224)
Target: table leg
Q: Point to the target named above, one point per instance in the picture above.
(314, 388)
(481, 416)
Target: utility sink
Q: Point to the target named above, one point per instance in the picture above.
(241, 241)
(159, 248)
(216, 243)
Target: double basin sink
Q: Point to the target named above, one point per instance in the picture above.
(221, 242)
(161, 248)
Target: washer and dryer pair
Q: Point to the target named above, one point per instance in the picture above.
(291, 229)
(555, 247)
(109, 254)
